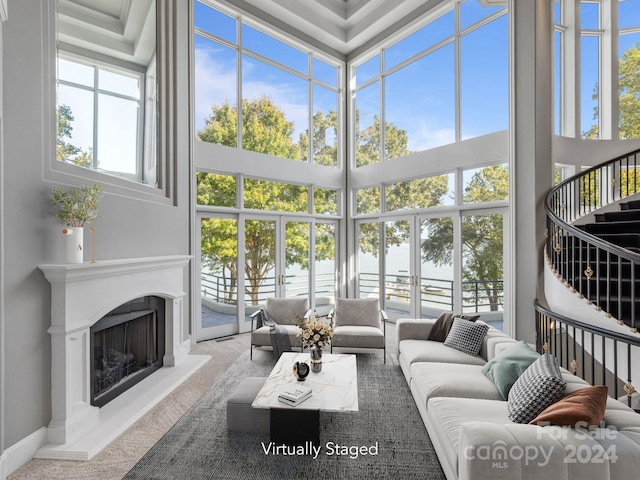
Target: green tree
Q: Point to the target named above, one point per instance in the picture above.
(481, 237)
(264, 130)
(65, 151)
(629, 97)
(419, 193)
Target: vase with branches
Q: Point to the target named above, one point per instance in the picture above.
(76, 208)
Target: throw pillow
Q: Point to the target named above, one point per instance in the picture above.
(585, 406)
(443, 324)
(466, 336)
(538, 387)
(504, 369)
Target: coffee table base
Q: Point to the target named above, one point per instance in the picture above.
(295, 427)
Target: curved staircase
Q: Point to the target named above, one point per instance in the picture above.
(593, 247)
(599, 260)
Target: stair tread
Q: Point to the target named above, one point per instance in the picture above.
(622, 215)
(631, 205)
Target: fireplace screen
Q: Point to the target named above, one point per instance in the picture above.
(126, 348)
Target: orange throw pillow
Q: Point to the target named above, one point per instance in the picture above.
(585, 405)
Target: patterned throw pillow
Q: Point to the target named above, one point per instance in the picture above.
(466, 336)
(443, 324)
(539, 386)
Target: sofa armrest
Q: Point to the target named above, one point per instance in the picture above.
(413, 329)
(512, 450)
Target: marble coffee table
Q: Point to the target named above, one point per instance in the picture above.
(335, 389)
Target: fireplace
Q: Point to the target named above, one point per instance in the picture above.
(127, 346)
(92, 307)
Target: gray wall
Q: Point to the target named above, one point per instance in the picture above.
(129, 227)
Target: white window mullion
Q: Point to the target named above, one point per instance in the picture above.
(457, 75)
(382, 115)
(239, 84)
(609, 70)
(96, 148)
(571, 69)
(457, 262)
(312, 263)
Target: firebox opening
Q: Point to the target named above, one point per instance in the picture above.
(127, 346)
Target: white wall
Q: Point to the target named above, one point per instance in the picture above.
(129, 227)
(2, 335)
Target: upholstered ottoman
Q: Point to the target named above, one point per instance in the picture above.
(241, 417)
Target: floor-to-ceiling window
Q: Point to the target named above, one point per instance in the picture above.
(596, 58)
(267, 128)
(428, 158)
(430, 119)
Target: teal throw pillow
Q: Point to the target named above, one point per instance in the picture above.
(504, 369)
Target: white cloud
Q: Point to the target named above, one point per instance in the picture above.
(216, 83)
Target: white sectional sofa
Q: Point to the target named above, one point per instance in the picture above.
(468, 420)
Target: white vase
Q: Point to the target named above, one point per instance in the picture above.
(74, 243)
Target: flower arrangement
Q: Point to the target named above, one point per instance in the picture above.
(77, 207)
(314, 332)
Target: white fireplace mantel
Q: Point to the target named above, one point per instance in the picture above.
(81, 294)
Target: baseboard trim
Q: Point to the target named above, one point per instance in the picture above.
(20, 453)
(3, 466)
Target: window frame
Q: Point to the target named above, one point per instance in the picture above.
(141, 77)
(243, 18)
(380, 49)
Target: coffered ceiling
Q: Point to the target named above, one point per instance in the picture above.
(123, 29)
(343, 25)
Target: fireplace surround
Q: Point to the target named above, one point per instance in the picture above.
(82, 295)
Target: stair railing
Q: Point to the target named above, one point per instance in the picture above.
(603, 273)
(599, 356)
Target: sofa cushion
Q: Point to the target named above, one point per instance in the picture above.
(357, 336)
(538, 387)
(583, 407)
(494, 341)
(443, 324)
(456, 380)
(426, 351)
(504, 369)
(286, 311)
(446, 415)
(466, 336)
(358, 311)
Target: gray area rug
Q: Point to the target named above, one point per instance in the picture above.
(200, 447)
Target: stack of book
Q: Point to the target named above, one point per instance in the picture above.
(295, 395)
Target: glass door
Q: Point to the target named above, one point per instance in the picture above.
(437, 271)
(218, 273)
(263, 275)
(399, 277)
(325, 278)
(297, 248)
(483, 270)
(246, 260)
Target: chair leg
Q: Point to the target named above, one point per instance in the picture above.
(251, 353)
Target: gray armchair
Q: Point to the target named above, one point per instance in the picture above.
(285, 311)
(359, 323)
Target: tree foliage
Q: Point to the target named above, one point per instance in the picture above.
(65, 151)
(629, 97)
(264, 130)
(482, 238)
